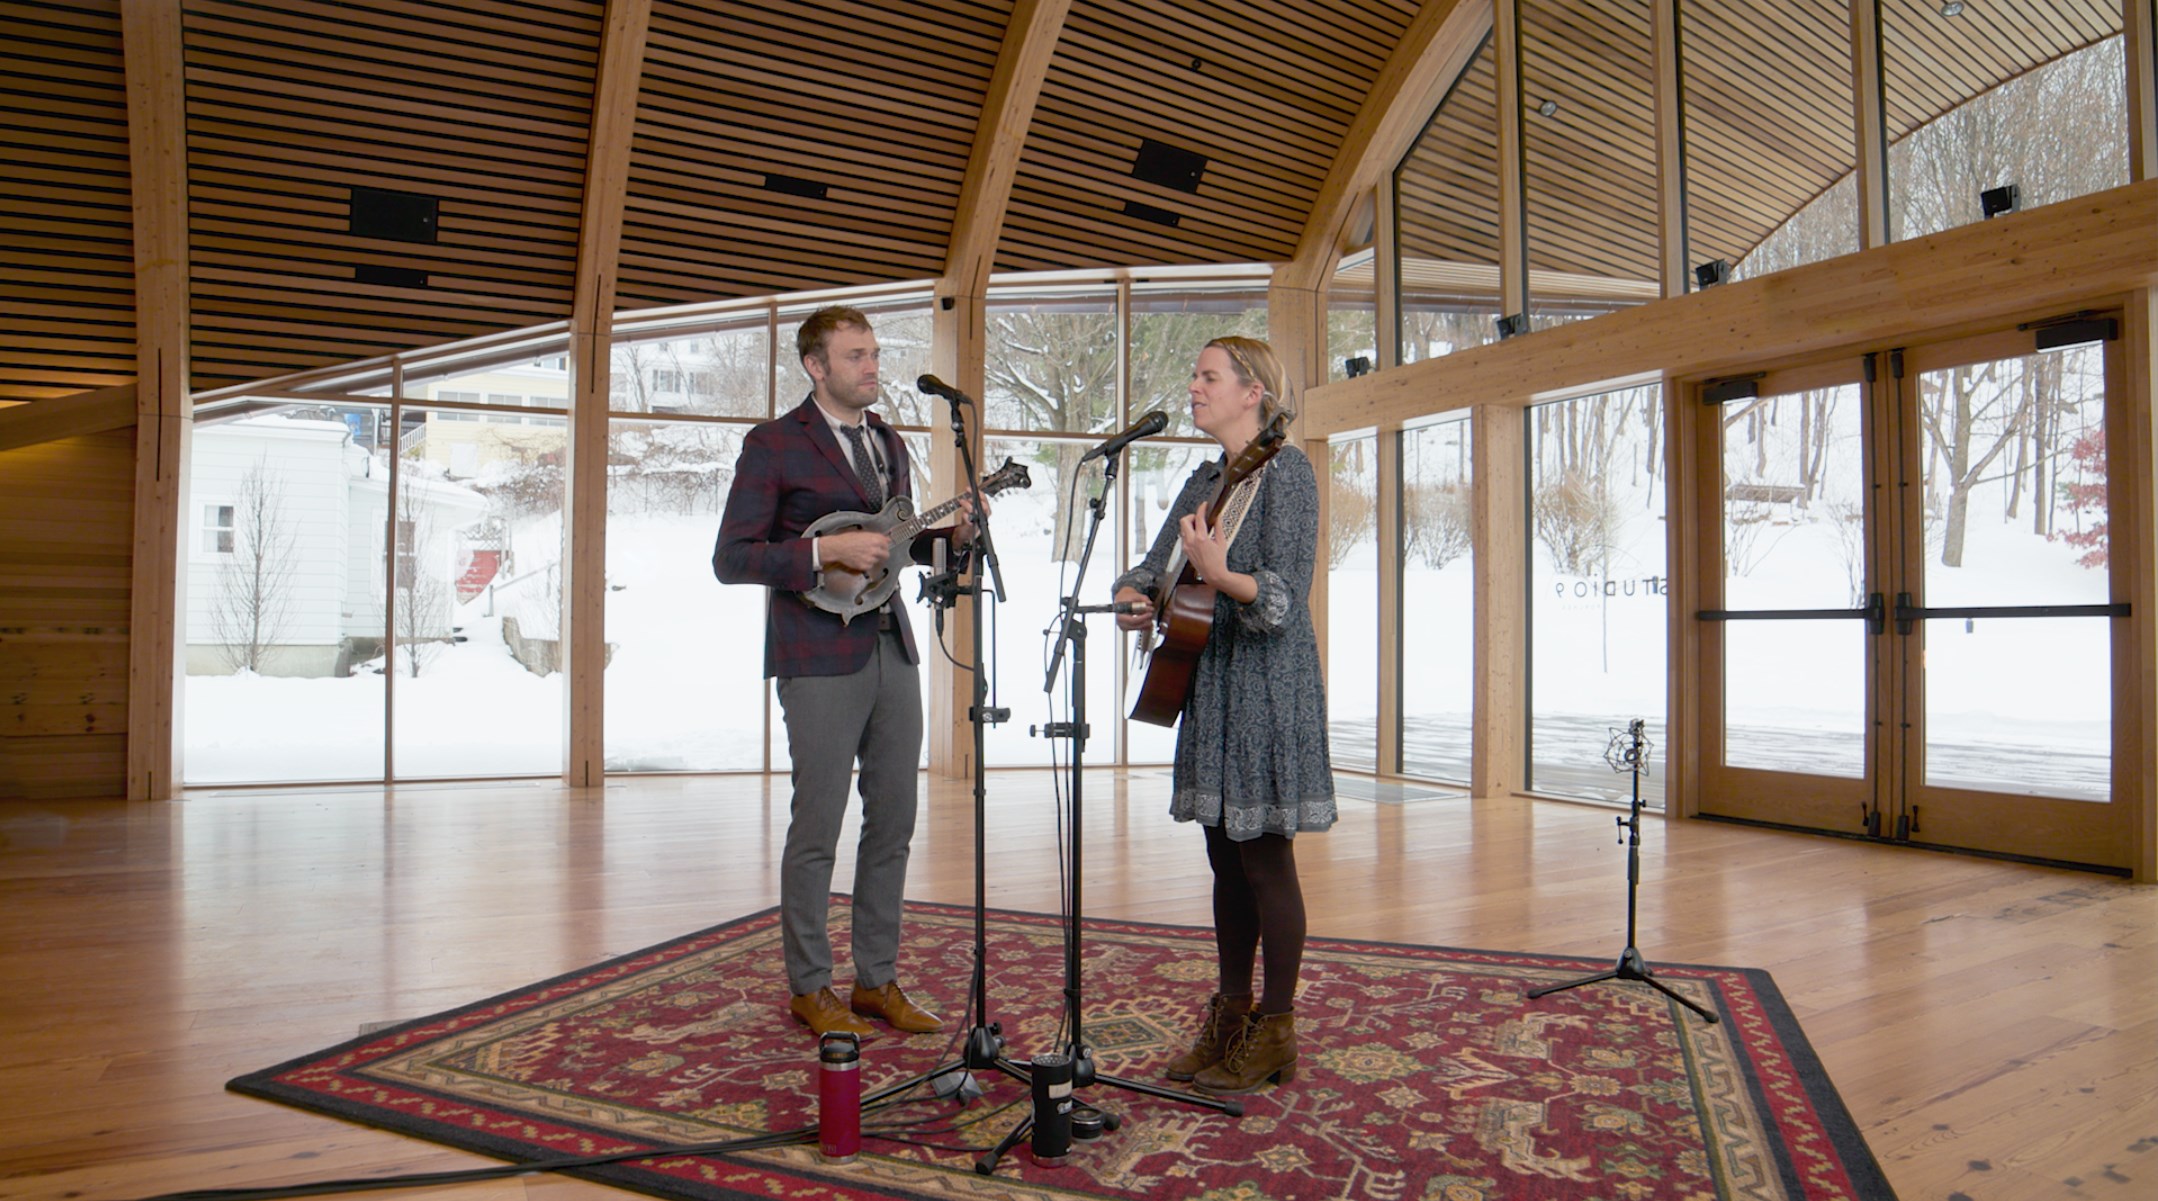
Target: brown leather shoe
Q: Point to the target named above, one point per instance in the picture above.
(823, 1012)
(1263, 1050)
(1224, 1017)
(891, 1004)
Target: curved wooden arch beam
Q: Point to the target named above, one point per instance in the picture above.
(599, 250)
(1437, 47)
(1030, 41)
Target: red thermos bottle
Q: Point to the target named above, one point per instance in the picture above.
(839, 1096)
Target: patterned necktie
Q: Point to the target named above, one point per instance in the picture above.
(865, 467)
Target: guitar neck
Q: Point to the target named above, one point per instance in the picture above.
(906, 530)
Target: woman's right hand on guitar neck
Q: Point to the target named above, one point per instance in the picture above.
(1142, 614)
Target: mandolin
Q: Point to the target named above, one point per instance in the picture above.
(1184, 604)
(851, 593)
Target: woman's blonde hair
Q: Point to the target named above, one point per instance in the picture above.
(1255, 364)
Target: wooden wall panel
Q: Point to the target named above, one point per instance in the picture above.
(874, 105)
(484, 106)
(67, 276)
(66, 529)
(1264, 91)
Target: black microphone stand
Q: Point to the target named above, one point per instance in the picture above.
(984, 1046)
(1628, 752)
(1075, 1052)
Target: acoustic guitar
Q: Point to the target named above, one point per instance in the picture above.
(1184, 604)
(851, 593)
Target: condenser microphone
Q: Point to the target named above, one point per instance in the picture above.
(1146, 427)
(930, 385)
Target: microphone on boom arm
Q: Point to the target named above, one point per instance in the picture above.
(930, 385)
(1146, 427)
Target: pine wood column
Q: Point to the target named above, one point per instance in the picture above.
(1513, 201)
(1388, 520)
(1683, 507)
(2133, 518)
(1498, 762)
(955, 356)
(584, 585)
(1872, 124)
(1670, 85)
(2140, 21)
(1296, 329)
(151, 38)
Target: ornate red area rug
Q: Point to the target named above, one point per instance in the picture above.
(1426, 1075)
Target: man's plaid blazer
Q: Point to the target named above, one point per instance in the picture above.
(793, 471)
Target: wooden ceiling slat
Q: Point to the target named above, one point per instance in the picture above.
(1078, 146)
(67, 269)
(445, 179)
(470, 156)
(926, 221)
(334, 109)
(1103, 85)
(753, 154)
(975, 32)
(311, 52)
(1166, 36)
(771, 83)
(779, 224)
(1221, 201)
(541, 20)
(501, 90)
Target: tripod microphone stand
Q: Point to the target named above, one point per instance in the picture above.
(1627, 753)
(984, 1045)
(1074, 1061)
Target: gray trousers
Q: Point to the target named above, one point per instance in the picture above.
(874, 715)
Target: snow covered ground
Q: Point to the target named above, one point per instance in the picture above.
(2022, 704)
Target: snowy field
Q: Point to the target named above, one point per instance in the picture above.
(2017, 705)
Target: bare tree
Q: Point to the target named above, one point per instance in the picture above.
(1971, 415)
(1054, 370)
(423, 595)
(254, 594)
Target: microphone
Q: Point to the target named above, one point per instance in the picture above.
(930, 385)
(1146, 427)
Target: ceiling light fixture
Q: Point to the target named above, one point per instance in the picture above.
(1548, 107)
(1954, 8)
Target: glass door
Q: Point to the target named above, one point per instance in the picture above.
(2002, 618)
(1908, 621)
(1789, 631)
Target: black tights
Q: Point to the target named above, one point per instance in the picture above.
(1257, 899)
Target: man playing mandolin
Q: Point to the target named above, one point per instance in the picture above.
(849, 689)
(1252, 764)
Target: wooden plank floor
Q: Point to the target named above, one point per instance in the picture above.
(1993, 1027)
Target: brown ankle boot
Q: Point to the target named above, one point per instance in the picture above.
(1224, 1017)
(1264, 1050)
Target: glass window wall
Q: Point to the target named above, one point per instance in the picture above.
(1438, 578)
(1168, 330)
(1597, 587)
(1352, 316)
(1446, 212)
(1768, 186)
(283, 614)
(1991, 96)
(1352, 601)
(476, 597)
(1588, 158)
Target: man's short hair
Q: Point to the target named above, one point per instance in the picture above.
(816, 332)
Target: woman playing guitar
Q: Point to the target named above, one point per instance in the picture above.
(1252, 765)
